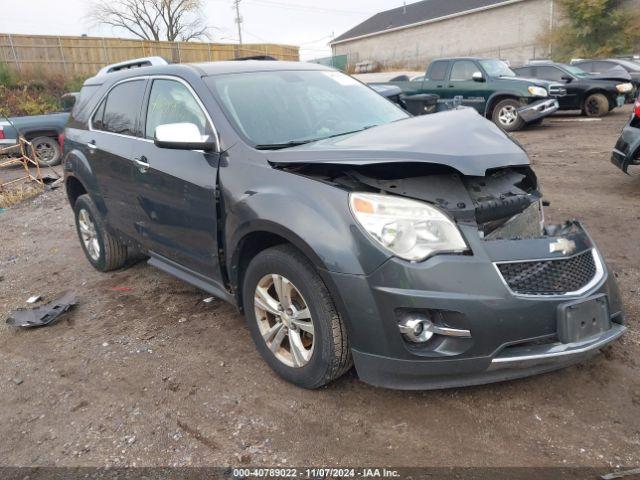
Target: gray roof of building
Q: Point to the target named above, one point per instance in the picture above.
(416, 13)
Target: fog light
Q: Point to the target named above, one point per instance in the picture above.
(417, 328)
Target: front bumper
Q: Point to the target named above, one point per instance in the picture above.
(512, 336)
(537, 110)
(627, 148)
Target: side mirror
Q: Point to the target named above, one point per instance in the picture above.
(567, 79)
(478, 77)
(182, 136)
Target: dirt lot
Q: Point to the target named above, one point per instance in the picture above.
(144, 373)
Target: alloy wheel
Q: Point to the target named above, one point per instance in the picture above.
(45, 151)
(284, 320)
(89, 234)
(508, 115)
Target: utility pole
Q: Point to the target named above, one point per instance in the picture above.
(236, 4)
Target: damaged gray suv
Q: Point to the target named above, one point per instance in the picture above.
(346, 231)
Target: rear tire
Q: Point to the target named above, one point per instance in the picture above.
(46, 150)
(505, 115)
(596, 106)
(326, 355)
(104, 251)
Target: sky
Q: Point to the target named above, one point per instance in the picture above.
(309, 24)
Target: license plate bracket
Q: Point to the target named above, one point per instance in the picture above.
(583, 318)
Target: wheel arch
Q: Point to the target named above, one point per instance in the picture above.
(74, 188)
(267, 235)
(497, 98)
(592, 91)
(52, 133)
(261, 236)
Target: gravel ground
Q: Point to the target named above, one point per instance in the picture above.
(143, 373)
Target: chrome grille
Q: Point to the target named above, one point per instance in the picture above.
(550, 277)
(557, 91)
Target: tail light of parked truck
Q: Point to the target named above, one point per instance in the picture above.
(61, 141)
(2, 137)
(636, 108)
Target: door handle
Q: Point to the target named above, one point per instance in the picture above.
(142, 164)
(439, 86)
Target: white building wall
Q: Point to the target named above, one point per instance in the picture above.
(509, 32)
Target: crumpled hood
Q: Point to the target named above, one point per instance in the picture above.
(616, 73)
(461, 139)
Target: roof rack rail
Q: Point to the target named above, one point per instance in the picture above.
(136, 63)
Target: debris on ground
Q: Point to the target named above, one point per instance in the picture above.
(43, 315)
(120, 289)
(209, 300)
(34, 299)
(614, 475)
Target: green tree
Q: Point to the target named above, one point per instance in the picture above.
(594, 28)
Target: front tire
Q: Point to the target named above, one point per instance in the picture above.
(596, 106)
(46, 150)
(104, 251)
(505, 115)
(293, 320)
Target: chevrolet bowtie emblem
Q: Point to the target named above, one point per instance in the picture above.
(564, 246)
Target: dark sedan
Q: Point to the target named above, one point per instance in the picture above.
(596, 96)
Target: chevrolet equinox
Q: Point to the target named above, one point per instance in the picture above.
(346, 231)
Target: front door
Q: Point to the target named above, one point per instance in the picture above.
(176, 189)
(461, 84)
(553, 74)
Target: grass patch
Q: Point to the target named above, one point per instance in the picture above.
(13, 196)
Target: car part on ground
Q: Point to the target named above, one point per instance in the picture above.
(415, 246)
(43, 315)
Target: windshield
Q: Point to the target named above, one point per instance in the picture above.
(575, 71)
(283, 108)
(497, 68)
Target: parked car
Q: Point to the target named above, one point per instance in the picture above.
(605, 65)
(345, 229)
(489, 86)
(627, 149)
(594, 95)
(45, 132)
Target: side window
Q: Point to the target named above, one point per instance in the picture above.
(119, 112)
(550, 73)
(463, 71)
(438, 71)
(528, 72)
(171, 102)
(97, 121)
(586, 66)
(601, 67)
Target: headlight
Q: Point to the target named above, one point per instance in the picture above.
(409, 229)
(624, 87)
(538, 92)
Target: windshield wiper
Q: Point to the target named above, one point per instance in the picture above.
(297, 143)
(278, 146)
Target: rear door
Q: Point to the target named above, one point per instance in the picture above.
(111, 141)
(176, 191)
(436, 78)
(461, 84)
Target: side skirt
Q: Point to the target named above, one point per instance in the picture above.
(197, 280)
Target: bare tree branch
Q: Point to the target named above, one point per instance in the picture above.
(153, 19)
